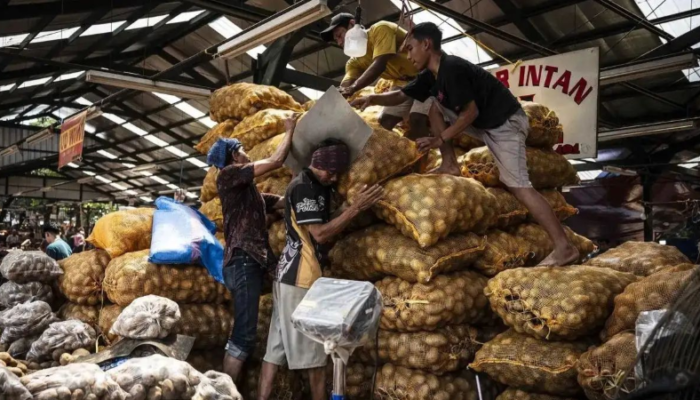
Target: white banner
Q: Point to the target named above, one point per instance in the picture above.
(568, 84)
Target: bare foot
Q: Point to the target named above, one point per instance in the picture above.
(445, 170)
(560, 258)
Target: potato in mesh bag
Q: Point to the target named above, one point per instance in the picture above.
(265, 150)
(212, 210)
(540, 245)
(639, 258)
(275, 185)
(448, 299)
(148, 317)
(604, 371)
(517, 394)
(156, 377)
(10, 386)
(207, 360)
(434, 158)
(287, 384)
(523, 362)
(358, 380)
(25, 319)
(444, 350)
(240, 100)
(123, 231)
(263, 327)
(88, 314)
(260, 126)
(509, 211)
(277, 234)
(654, 292)
(219, 131)
(466, 142)
(131, 276)
(12, 293)
(556, 303)
(546, 168)
(381, 250)
(399, 383)
(427, 208)
(62, 337)
(82, 277)
(29, 266)
(20, 347)
(73, 381)
(209, 188)
(556, 200)
(503, 251)
(545, 129)
(385, 154)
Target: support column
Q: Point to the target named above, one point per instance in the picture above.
(647, 197)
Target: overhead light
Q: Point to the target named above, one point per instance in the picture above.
(646, 130)
(146, 85)
(9, 151)
(619, 171)
(39, 136)
(647, 69)
(87, 179)
(276, 26)
(144, 167)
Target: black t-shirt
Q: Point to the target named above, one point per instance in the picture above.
(460, 82)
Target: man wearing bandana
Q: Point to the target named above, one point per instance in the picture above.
(309, 225)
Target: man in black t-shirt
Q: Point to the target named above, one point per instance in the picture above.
(466, 98)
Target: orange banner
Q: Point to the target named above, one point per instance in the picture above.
(70, 145)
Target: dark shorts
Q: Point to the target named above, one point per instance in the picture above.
(243, 277)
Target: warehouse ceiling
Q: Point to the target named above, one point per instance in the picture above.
(46, 46)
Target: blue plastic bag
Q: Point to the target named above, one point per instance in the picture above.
(183, 235)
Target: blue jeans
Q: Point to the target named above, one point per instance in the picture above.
(243, 277)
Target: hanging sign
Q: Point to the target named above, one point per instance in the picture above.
(567, 84)
(70, 144)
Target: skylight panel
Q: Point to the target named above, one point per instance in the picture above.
(197, 163)
(190, 110)
(114, 118)
(157, 141)
(35, 82)
(208, 122)
(135, 129)
(185, 17)
(692, 163)
(8, 117)
(107, 154)
(173, 186)
(13, 40)
(168, 98)
(99, 29)
(89, 128)
(118, 186)
(102, 179)
(5, 88)
(49, 36)
(159, 179)
(146, 199)
(176, 151)
(83, 101)
(72, 75)
(146, 22)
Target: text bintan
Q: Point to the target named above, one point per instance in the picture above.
(551, 77)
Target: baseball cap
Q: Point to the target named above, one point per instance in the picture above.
(341, 19)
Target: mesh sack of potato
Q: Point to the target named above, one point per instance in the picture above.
(448, 299)
(107, 316)
(545, 129)
(517, 394)
(603, 371)
(546, 168)
(521, 361)
(263, 327)
(364, 92)
(82, 277)
(556, 200)
(73, 381)
(503, 251)
(399, 383)
(29, 266)
(212, 210)
(131, 276)
(381, 250)
(277, 234)
(275, 185)
(509, 211)
(20, 347)
(222, 130)
(640, 258)
(216, 386)
(88, 314)
(427, 208)
(156, 377)
(260, 126)
(62, 337)
(540, 245)
(10, 386)
(308, 105)
(25, 319)
(124, 231)
(443, 350)
(678, 268)
(240, 100)
(385, 154)
(286, 386)
(651, 293)
(12, 293)
(556, 303)
(265, 150)
(434, 158)
(207, 360)
(148, 317)
(358, 380)
(209, 188)
(466, 142)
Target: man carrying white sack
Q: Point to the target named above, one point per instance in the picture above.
(309, 226)
(471, 100)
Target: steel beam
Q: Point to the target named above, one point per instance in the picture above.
(33, 10)
(681, 43)
(629, 15)
(303, 79)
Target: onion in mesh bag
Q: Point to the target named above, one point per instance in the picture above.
(546, 168)
(240, 100)
(603, 372)
(524, 362)
(123, 231)
(639, 258)
(545, 129)
(62, 337)
(12, 293)
(73, 381)
(540, 245)
(517, 394)
(399, 383)
(82, 277)
(222, 130)
(374, 252)
(29, 266)
(10, 386)
(148, 317)
(503, 251)
(25, 319)
(428, 208)
(654, 292)
(448, 299)
(556, 303)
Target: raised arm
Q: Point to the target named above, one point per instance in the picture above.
(385, 99)
(371, 74)
(277, 159)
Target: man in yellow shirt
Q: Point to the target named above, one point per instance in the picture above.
(384, 59)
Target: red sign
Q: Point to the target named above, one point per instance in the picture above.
(70, 145)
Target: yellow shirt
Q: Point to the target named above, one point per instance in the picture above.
(383, 38)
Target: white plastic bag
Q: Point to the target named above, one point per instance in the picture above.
(11, 388)
(13, 293)
(62, 337)
(24, 320)
(217, 386)
(157, 377)
(29, 266)
(73, 381)
(148, 317)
